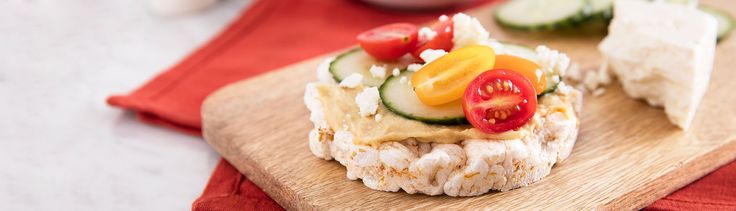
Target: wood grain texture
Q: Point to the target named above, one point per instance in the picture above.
(627, 154)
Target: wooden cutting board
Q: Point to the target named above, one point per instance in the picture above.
(627, 154)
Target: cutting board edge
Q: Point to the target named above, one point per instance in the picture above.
(279, 192)
(284, 196)
(683, 175)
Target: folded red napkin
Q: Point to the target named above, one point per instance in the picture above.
(274, 33)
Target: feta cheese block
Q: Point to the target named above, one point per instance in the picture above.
(662, 53)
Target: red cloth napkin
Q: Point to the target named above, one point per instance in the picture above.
(274, 33)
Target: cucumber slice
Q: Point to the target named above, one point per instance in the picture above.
(726, 23)
(601, 8)
(358, 61)
(552, 81)
(685, 2)
(520, 50)
(401, 99)
(542, 14)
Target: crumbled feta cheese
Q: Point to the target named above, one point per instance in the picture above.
(323, 71)
(378, 71)
(467, 31)
(443, 18)
(430, 55)
(595, 78)
(378, 117)
(426, 34)
(573, 73)
(414, 67)
(599, 92)
(403, 80)
(552, 61)
(367, 101)
(396, 71)
(352, 81)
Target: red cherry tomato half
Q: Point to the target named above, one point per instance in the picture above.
(443, 40)
(499, 100)
(389, 42)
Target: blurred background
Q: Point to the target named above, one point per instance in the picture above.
(63, 146)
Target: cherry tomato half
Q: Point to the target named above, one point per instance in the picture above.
(445, 79)
(525, 67)
(389, 42)
(443, 39)
(499, 100)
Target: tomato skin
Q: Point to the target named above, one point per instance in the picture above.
(524, 67)
(389, 42)
(443, 39)
(494, 110)
(445, 79)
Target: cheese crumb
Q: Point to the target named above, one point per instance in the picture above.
(426, 34)
(599, 92)
(444, 18)
(323, 71)
(467, 31)
(430, 55)
(414, 67)
(367, 101)
(378, 71)
(552, 61)
(378, 117)
(352, 81)
(396, 71)
(403, 80)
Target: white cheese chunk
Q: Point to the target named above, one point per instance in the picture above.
(367, 101)
(352, 81)
(430, 55)
(414, 67)
(378, 71)
(467, 31)
(662, 53)
(426, 34)
(396, 71)
(552, 61)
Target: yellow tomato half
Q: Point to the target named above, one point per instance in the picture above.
(527, 68)
(444, 80)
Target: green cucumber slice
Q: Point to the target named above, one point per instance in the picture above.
(358, 61)
(542, 14)
(726, 23)
(399, 97)
(685, 2)
(552, 81)
(520, 50)
(601, 8)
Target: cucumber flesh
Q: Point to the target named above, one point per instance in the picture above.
(601, 8)
(542, 14)
(358, 61)
(401, 99)
(685, 2)
(552, 81)
(725, 21)
(520, 50)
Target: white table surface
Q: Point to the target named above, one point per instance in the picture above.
(62, 147)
